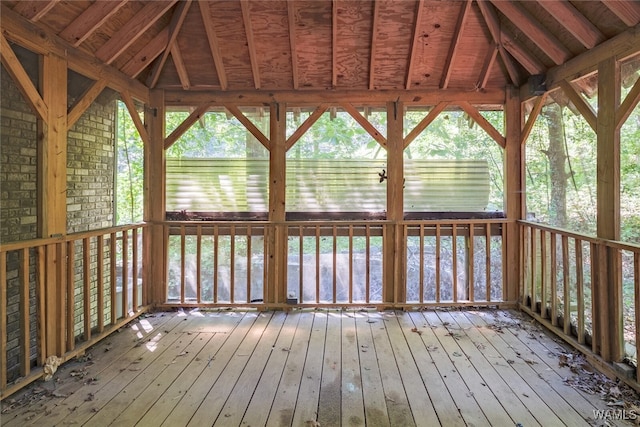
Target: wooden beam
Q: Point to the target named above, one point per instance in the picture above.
(195, 115)
(154, 199)
(620, 46)
(214, 45)
(532, 117)
(483, 123)
(147, 54)
(178, 62)
(132, 30)
(629, 103)
(453, 48)
(84, 101)
(485, 72)
(34, 10)
(531, 28)
(374, 43)
(315, 97)
(522, 55)
(417, 23)
(334, 43)
(253, 56)
(429, 118)
(304, 127)
(133, 112)
(44, 41)
(627, 11)
(573, 21)
(248, 124)
(514, 192)
(177, 19)
(291, 13)
(579, 102)
(366, 125)
(90, 20)
(21, 79)
(491, 19)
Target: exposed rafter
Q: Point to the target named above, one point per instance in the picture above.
(489, 61)
(253, 55)
(627, 10)
(174, 29)
(147, 54)
(291, 13)
(522, 55)
(491, 18)
(34, 10)
(183, 75)
(132, 30)
(453, 48)
(90, 20)
(531, 28)
(573, 21)
(417, 25)
(214, 45)
(374, 39)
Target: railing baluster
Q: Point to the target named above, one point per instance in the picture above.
(566, 283)
(438, 247)
(249, 263)
(198, 263)
(113, 278)
(534, 267)
(3, 320)
(488, 261)
(580, 290)
(232, 264)
(335, 263)
(470, 262)
(125, 274)
(301, 264)
(25, 350)
(454, 263)
(350, 264)
(636, 296)
(421, 247)
(554, 281)
(317, 263)
(593, 249)
(367, 279)
(543, 274)
(41, 276)
(183, 244)
(134, 273)
(86, 290)
(70, 290)
(216, 244)
(100, 282)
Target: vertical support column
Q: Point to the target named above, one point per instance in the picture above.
(608, 204)
(514, 194)
(394, 257)
(53, 196)
(154, 198)
(277, 245)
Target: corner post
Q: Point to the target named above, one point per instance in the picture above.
(276, 287)
(154, 200)
(608, 206)
(394, 289)
(514, 195)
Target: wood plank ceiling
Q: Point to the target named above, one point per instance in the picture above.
(272, 45)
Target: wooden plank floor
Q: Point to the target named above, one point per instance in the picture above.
(314, 368)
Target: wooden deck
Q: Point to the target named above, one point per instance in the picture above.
(314, 368)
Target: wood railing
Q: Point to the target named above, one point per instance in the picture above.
(59, 296)
(336, 263)
(584, 288)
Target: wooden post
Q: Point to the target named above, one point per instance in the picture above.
(514, 190)
(393, 286)
(608, 204)
(154, 194)
(53, 195)
(277, 243)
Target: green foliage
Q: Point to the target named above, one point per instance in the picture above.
(130, 170)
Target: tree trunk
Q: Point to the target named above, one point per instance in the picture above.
(557, 169)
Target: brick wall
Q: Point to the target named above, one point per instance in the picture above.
(90, 194)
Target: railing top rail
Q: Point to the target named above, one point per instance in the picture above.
(584, 237)
(32, 243)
